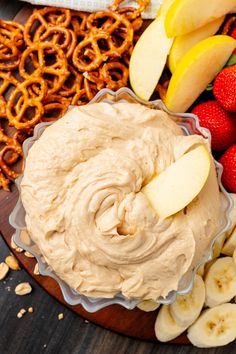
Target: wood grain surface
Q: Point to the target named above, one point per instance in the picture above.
(42, 331)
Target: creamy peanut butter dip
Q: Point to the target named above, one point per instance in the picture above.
(85, 210)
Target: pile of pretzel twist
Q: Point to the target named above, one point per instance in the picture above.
(60, 57)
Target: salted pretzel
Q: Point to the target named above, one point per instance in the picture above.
(7, 80)
(95, 77)
(9, 54)
(142, 6)
(62, 36)
(70, 85)
(133, 16)
(9, 155)
(24, 108)
(79, 22)
(3, 105)
(84, 93)
(4, 182)
(56, 16)
(57, 69)
(55, 107)
(44, 18)
(115, 75)
(12, 31)
(88, 55)
(115, 25)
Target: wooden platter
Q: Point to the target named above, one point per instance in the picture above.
(134, 323)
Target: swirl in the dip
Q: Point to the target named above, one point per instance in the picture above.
(85, 210)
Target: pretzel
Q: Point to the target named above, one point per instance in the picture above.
(57, 70)
(6, 81)
(98, 47)
(55, 107)
(73, 81)
(115, 75)
(56, 16)
(4, 182)
(78, 22)
(87, 55)
(133, 16)
(142, 5)
(13, 31)
(9, 155)
(65, 37)
(84, 93)
(3, 105)
(96, 78)
(115, 25)
(9, 54)
(22, 100)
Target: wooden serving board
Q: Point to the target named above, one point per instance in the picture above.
(134, 323)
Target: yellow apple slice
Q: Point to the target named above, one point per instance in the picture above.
(149, 56)
(185, 16)
(183, 43)
(196, 70)
(180, 183)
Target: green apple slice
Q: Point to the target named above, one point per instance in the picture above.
(183, 43)
(196, 70)
(180, 183)
(185, 16)
(149, 56)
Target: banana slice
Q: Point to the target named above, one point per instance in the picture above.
(165, 326)
(148, 305)
(215, 327)
(234, 258)
(230, 244)
(186, 308)
(201, 270)
(220, 282)
(218, 245)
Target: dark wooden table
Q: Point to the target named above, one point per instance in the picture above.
(41, 331)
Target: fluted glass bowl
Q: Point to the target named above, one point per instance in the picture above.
(190, 125)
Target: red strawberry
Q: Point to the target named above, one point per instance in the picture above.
(233, 34)
(228, 160)
(224, 88)
(220, 123)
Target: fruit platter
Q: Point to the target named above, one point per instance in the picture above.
(118, 163)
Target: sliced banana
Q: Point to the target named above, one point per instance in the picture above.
(215, 327)
(148, 305)
(201, 270)
(234, 258)
(218, 245)
(230, 244)
(186, 308)
(208, 266)
(220, 282)
(165, 326)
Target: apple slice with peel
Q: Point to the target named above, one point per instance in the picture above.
(183, 43)
(173, 189)
(185, 16)
(196, 70)
(149, 56)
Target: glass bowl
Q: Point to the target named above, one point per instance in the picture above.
(190, 125)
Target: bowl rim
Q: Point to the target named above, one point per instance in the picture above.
(94, 304)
